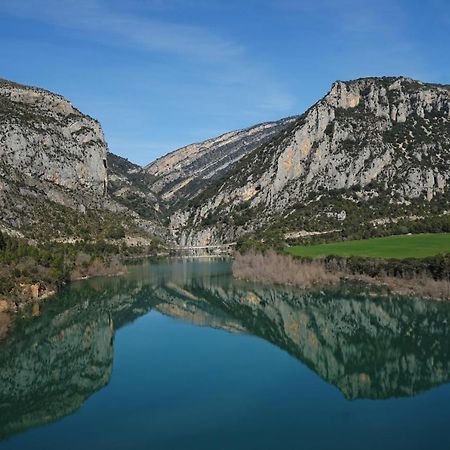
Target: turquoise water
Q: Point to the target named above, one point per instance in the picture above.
(179, 355)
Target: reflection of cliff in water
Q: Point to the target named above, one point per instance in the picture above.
(50, 365)
(368, 348)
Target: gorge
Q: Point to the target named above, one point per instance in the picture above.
(372, 151)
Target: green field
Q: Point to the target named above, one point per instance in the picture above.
(399, 247)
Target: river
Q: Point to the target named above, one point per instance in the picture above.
(177, 354)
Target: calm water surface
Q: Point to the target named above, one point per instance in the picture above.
(179, 355)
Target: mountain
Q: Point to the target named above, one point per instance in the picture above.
(183, 174)
(54, 176)
(45, 137)
(372, 150)
(129, 185)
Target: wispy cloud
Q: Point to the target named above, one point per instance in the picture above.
(178, 70)
(222, 60)
(355, 16)
(101, 22)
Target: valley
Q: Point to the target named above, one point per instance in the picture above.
(368, 161)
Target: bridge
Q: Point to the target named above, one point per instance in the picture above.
(204, 250)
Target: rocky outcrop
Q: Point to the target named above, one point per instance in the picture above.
(184, 173)
(43, 136)
(54, 173)
(52, 158)
(384, 138)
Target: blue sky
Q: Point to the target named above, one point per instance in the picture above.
(160, 74)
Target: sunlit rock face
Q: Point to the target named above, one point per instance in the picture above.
(385, 138)
(53, 161)
(43, 136)
(184, 173)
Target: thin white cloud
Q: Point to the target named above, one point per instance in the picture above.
(222, 80)
(101, 22)
(223, 60)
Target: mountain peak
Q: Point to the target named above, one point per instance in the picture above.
(389, 132)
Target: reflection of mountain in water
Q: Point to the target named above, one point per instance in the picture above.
(50, 365)
(368, 348)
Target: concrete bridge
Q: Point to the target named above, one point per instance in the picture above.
(204, 250)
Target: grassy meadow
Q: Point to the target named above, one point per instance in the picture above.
(398, 247)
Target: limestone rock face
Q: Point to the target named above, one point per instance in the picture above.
(374, 137)
(184, 173)
(54, 174)
(43, 136)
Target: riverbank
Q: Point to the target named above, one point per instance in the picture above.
(428, 277)
(31, 272)
(25, 291)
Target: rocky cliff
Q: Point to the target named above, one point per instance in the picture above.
(381, 145)
(54, 173)
(43, 136)
(184, 173)
(373, 150)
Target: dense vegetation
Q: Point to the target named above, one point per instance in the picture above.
(435, 268)
(360, 225)
(413, 264)
(56, 221)
(49, 265)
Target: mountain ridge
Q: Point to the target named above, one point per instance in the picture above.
(371, 147)
(185, 171)
(356, 124)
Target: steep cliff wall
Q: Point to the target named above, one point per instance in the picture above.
(369, 141)
(54, 173)
(43, 136)
(184, 173)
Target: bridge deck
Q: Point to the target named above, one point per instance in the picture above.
(203, 247)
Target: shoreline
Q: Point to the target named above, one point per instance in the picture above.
(285, 270)
(270, 268)
(14, 306)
